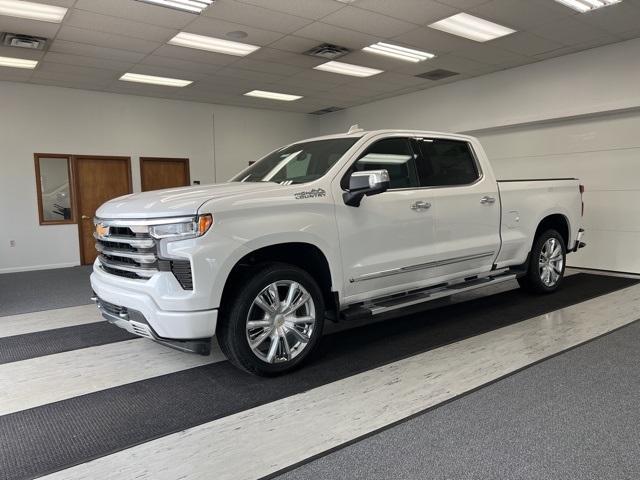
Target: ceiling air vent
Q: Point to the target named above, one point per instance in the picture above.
(438, 74)
(23, 41)
(327, 51)
(326, 110)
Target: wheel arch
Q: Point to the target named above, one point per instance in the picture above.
(555, 221)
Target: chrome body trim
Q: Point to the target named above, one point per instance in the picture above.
(134, 242)
(142, 272)
(138, 257)
(421, 266)
(141, 222)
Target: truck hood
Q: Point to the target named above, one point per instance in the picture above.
(174, 202)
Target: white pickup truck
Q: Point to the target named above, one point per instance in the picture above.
(336, 227)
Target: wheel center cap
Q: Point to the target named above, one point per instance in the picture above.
(279, 320)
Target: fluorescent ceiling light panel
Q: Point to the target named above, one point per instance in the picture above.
(587, 5)
(348, 69)
(211, 44)
(32, 11)
(191, 6)
(396, 51)
(167, 82)
(473, 28)
(273, 95)
(17, 62)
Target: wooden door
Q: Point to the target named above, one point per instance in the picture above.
(157, 173)
(97, 179)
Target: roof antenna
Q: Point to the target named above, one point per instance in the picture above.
(355, 129)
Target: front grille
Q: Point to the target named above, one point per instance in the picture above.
(130, 252)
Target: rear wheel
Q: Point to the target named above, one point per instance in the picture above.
(546, 264)
(274, 321)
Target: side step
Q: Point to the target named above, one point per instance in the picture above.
(396, 302)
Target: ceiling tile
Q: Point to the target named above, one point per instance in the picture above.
(433, 41)
(517, 14)
(464, 4)
(446, 62)
(145, 89)
(137, 11)
(369, 22)
(120, 26)
(63, 46)
(255, 16)
(614, 19)
(232, 74)
(69, 82)
(110, 40)
(74, 71)
(486, 53)
(180, 65)
(219, 28)
(267, 54)
(292, 43)
(526, 43)
(20, 53)
(268, 67)
(323, 32)
(94, 62)
(318, 77)
(15, 74)
(159, 71)
(568, 31)
(313, 9)
(193, 55)
(28, 27)
(414, 11)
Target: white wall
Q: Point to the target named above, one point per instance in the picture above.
(47, 119)
(577, 115)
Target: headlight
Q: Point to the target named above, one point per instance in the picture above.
(183, 230)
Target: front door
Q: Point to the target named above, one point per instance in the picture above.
(97, 180)
(387, 240)
(157, 173)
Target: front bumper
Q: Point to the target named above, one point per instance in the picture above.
(135, 323)
(165, 324)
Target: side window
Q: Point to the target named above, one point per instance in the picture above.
(446, 163)
(394, 155)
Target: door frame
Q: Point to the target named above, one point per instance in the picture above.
(184, 161)
(76, 181)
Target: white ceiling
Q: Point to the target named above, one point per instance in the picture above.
(99, 40)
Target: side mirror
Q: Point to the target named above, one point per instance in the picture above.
(370, 182)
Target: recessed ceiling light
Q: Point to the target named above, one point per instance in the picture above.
(32, 11)
(211, 44)
(401, 53)
(167, 82)
(191, 6)
(273, 95)
(348, 69)
(587, 5)
(473, 28)
(17, 62)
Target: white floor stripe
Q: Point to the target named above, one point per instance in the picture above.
(48, 320)
(262, 440)
(47, 379)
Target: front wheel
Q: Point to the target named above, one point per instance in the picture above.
(546, 264)
(274, 321)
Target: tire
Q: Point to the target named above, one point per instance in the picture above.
(276, 333)
(544, 274)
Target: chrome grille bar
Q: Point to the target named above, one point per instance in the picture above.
(145, 272)
(133, 241)
(144, 258)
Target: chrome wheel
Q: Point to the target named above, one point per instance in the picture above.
(280, 322)
(551, 262)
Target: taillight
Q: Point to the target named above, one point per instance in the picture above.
(581, 199)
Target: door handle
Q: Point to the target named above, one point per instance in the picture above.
(420, 206)
(486, 200)
(84, 217)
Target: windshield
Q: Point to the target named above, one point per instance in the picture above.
(298, 163)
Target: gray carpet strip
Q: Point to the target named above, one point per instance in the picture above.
(36, 441)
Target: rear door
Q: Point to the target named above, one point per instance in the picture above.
(467, 206)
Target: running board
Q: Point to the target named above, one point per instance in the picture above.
(396, 302)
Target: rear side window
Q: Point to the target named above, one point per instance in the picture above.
(394, 155)
(446, 162)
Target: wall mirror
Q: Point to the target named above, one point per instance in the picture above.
(53, 182)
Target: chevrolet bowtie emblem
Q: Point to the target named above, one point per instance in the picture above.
(102, 230)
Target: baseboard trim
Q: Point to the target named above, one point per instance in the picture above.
(39, 267)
